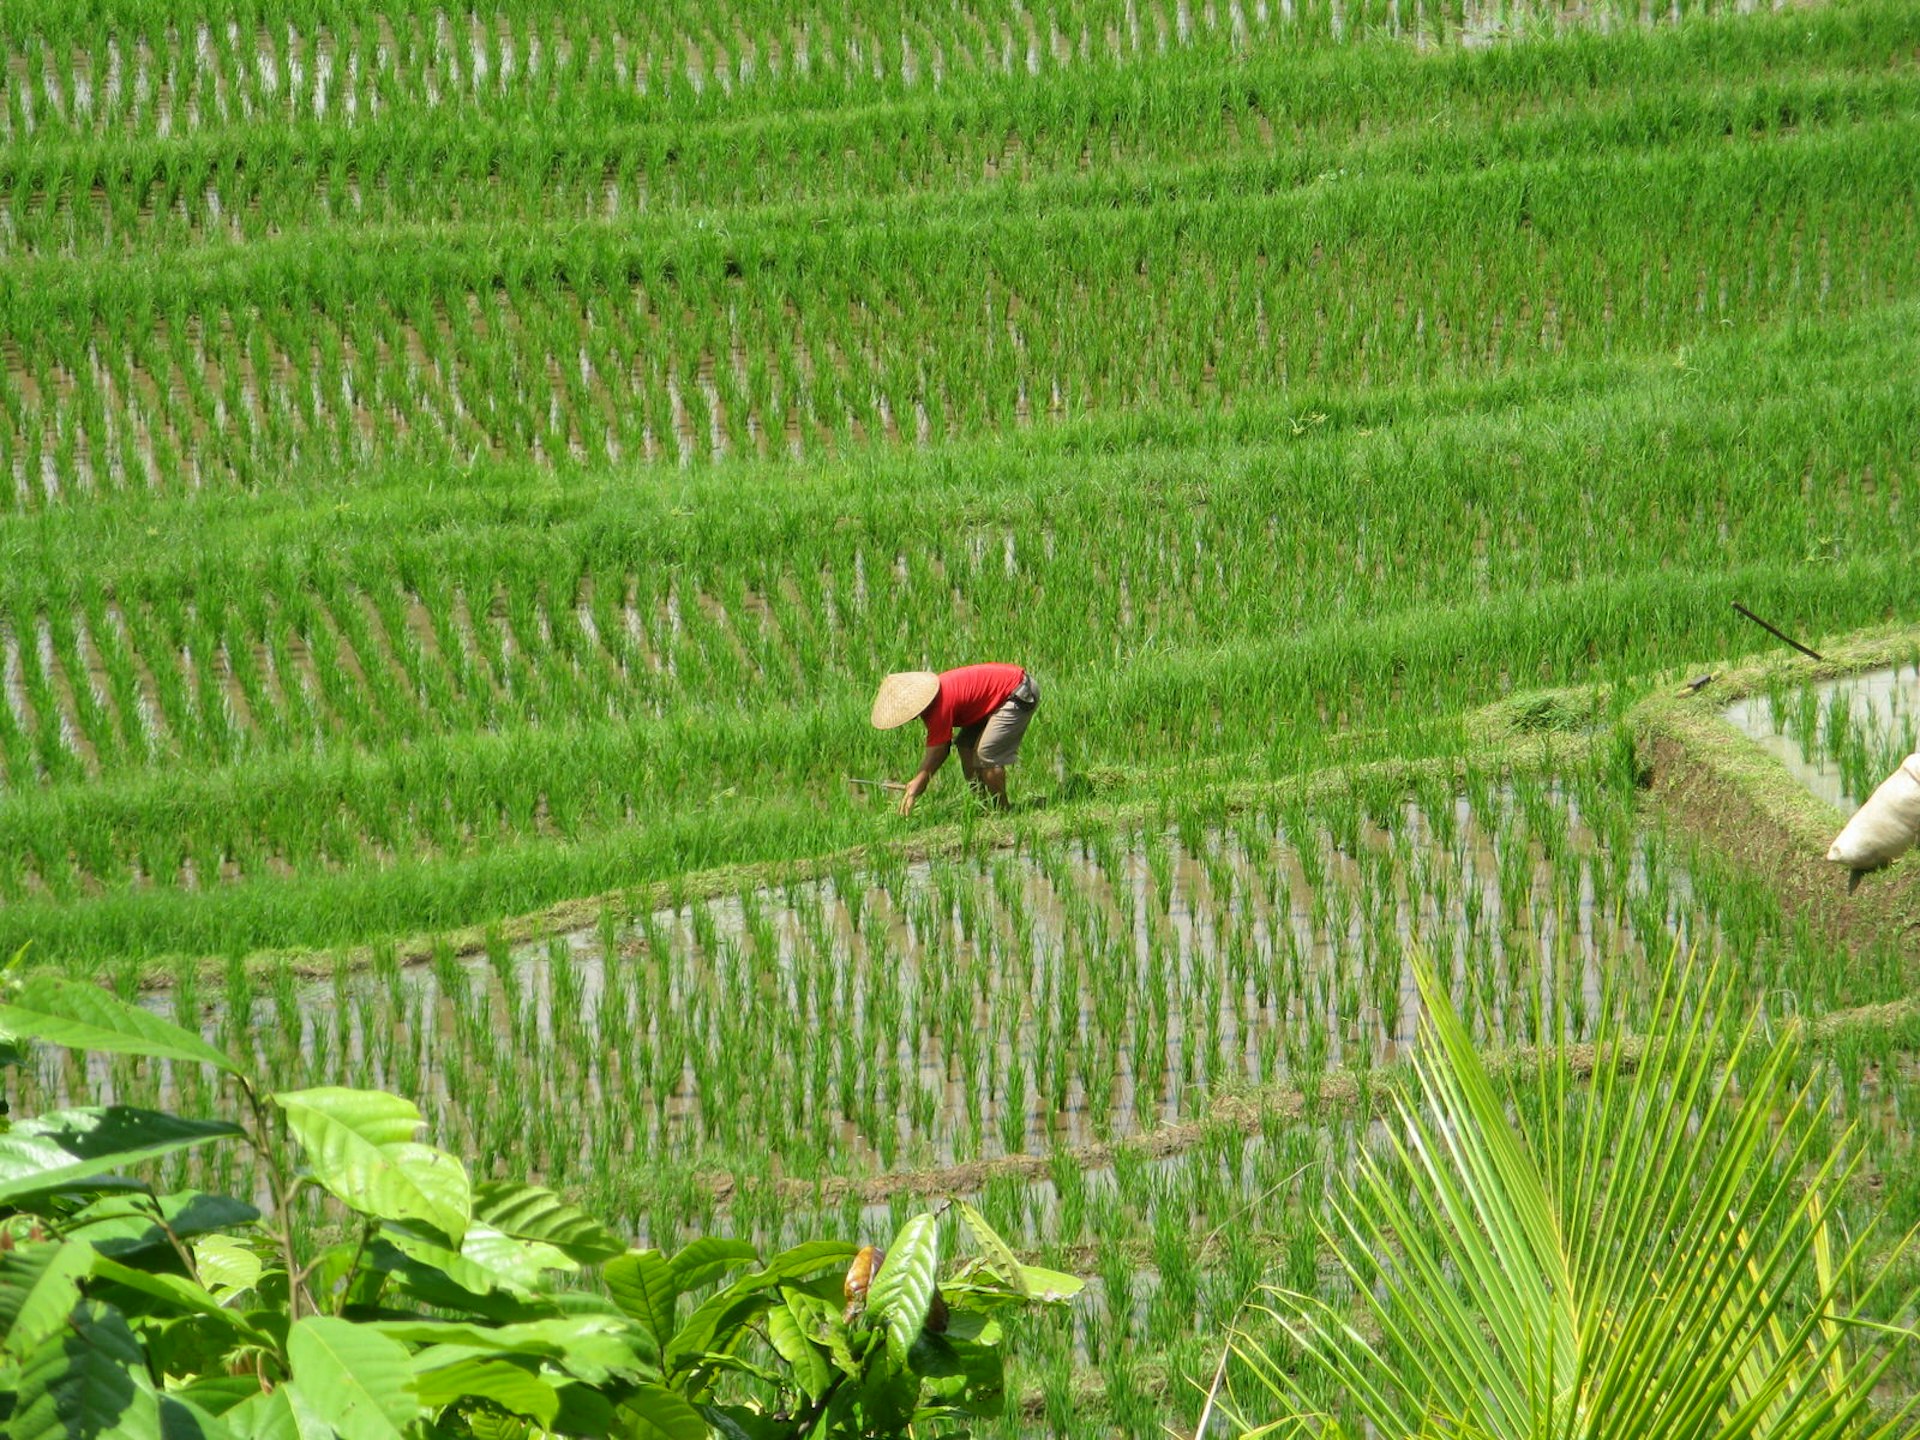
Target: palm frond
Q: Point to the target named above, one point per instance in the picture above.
(1649, 1254)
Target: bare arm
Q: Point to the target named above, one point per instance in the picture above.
(935, 757)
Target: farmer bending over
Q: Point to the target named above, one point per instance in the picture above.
(983, 709)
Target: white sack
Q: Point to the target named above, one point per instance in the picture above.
(1884, 828)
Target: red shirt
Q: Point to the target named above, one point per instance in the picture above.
(968, 696)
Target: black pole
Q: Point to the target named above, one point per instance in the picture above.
(1810, 654)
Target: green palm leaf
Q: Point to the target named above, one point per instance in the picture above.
(1643, 1251)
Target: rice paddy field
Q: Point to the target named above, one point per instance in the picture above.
(464, 471)
(1839, 738)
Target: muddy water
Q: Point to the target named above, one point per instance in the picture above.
(952, 1012)
(1811, 730)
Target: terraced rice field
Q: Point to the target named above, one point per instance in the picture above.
(932, 1015)
(1116, 1043)
(462, 473)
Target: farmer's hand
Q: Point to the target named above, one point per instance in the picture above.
(931, 761)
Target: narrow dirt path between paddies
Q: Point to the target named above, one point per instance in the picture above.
(1532, 733)
(1718, 788)
(1246, 1113)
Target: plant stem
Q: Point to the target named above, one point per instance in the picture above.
(282, 1197)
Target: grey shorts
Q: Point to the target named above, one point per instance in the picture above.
(996, 739)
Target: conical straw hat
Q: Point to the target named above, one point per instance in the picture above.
(903, 696)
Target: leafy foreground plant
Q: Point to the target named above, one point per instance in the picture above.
(1643, 1253)
(445, 1308)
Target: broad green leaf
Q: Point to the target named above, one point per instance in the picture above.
(1044, 1284)
(999, 1254)
(532, 1212)
(534, 1337)
(654, 1413)
(811, 1369)
(821, 1320)
(124, 1225)
(442, 1179)
(448, 1356)
(710, 1327)
(963, 1374)
(470, 1273)
(309, 1421)
(360, 1146)
(356, 1379)
(181, 1419)
(592, 1347)
(487, 1263)
(641, 1283)
(903, 1290)
(227, 1266)
(217, 1394)
(973, 1325)
(807, 1259)
(39, 1286)
(267, 1416)
(59, 1150)
(716, 1326)
(510, 1386)
(879, 1400)
(173, 1295)
(85, 1017)
(427, 1272)
(373, 1116)
(584, 1410)
(527, 1262)
(87, 1381)
(737, 1422)
(705, 1260)
(585, 1302)
(740, 1365)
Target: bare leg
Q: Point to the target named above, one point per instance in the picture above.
(970, 766)
(991, 780)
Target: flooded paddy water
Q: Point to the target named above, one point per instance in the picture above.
(1019, 1002)
(1838, 738)
(1065, 1034)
